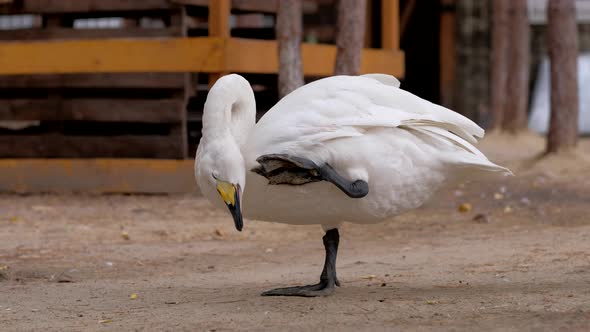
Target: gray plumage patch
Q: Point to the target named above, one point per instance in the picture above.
(284, 169)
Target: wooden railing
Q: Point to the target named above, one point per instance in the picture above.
(133, 59)
(217, 53)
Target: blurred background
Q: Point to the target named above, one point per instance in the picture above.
(128, 79)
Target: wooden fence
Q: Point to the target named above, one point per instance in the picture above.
(123, 92)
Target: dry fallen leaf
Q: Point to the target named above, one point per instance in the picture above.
(3, 267)
(218, 232)
(105, 321)
(507, 209)
(125, 235)
(133, 296)
(498, 196)
(431, 302)
(465, 207)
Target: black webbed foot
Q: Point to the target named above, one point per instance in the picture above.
(328, 279)
(319, 289)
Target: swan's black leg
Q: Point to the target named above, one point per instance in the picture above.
(328, 279)
(285, 169)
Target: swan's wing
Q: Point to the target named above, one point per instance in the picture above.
(305, 122)
(385, 79)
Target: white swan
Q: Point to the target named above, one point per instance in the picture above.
(342, 148)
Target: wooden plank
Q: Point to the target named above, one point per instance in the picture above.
(84, 6)
(59, 146)
(269, 6)
(112, 55)
(97, 176)
(244, 55)
(70, 33)
(95, 81)
(390, 24)
(206, 54)
(104, 110)
(256, 6)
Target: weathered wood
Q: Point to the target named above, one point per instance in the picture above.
(255, 6)
(219, 14)
(350, 34)
(59, 146)
(517, 97)
(318, 60)
(96, 176)
(289, 34)
(105, 110)
(97, 81)
(268, 6)
(84, 6)
(71, 33)
(562, 42)
(499, 60)
(390, 24)
(112, 55)
(199, 54)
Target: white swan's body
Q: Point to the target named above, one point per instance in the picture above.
(365, 127)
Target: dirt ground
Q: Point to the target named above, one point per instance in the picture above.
(519, 260)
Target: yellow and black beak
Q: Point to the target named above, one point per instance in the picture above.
(230, 194)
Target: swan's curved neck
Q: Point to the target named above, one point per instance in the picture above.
(230, 109)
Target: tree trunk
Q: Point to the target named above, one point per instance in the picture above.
(562, 43)
(517, 96)
(500, 63)
(289, 33)
(472, 71)
(350, 34)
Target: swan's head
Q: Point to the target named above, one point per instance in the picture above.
(221, 175)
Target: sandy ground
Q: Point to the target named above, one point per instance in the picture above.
(518, 260)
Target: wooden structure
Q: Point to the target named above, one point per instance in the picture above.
(77, 90)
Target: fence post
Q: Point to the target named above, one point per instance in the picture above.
(219, 14)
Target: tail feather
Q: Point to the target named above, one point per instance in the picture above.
(465, 154)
